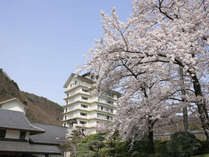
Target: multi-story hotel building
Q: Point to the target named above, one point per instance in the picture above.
(84, 109)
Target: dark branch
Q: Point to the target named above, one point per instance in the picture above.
(161, 11)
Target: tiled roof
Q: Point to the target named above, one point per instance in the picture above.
(17, 120)
(53, 134)
(14, 146)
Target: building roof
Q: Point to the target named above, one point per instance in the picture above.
(17, 121)
(84, 78)
(26, 147)
(53, 134)
(78, 76)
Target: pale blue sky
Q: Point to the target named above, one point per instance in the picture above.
(43, 41)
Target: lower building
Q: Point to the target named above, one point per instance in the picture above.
(20, 138)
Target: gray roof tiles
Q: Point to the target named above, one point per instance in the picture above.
(17, 120)
(53, 134)
(47, 139)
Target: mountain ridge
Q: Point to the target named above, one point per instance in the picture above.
(38, 108)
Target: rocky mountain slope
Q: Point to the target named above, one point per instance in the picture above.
(39, 109)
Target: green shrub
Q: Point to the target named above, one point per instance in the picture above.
(90, 146)
(161, 149)
(183, 144)
(115, 147)
(205, 148)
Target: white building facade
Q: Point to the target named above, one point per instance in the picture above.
(83, 108)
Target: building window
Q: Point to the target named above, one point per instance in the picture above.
(2, 133)
(102, 108)
(109, 118)
(84, 106)
(83, 122)
(109, 102)
(102, 116)
(84, 98)
(111, 110)
(22, 135)
(109, 94)
(85, 90)
(70, 125)
(99, 107)
(83, 114)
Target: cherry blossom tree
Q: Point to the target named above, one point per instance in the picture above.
(183, 31)
(139, 58)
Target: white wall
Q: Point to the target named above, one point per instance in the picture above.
(92, 123)
(14, 106)
(27, 136)
(66, 154)
(91, 131)
(14, 134)
(76, 82)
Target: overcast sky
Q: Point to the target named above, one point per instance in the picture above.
(43, 41)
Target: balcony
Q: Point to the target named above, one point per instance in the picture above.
(78, 91)
(78, 98)
(77, 84)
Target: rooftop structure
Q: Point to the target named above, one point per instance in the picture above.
(13, 104)
(84, 109)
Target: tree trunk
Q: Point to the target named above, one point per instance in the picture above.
(151, 141)
(185, 119)
(150, 136)
(183, 92)
(201, 104)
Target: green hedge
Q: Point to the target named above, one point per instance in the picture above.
(181, 144)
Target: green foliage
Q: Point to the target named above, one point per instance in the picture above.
(90, 146)
(161, 149)
(205, 147)
(141, 149)
(183, 144)
(142, 146)
(71, 144)
(97, 146)
(115, 147)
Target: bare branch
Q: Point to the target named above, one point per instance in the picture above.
(161, 11)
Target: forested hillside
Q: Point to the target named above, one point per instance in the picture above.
(39, 109)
